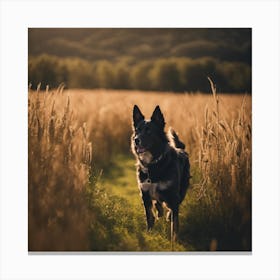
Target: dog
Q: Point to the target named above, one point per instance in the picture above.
(163, 168)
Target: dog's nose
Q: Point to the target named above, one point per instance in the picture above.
(137, 141)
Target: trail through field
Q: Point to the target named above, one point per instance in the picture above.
(119, 181)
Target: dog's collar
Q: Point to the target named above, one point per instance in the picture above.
(161, 156)
(145, 169)
(155, 161)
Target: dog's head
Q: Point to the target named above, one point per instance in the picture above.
(149, 138)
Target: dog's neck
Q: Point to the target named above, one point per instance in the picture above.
(149, 160)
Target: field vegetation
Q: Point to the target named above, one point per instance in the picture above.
(82, 191)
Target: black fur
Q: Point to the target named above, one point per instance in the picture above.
(163, 168)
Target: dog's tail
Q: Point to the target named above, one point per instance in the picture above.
(175, 139)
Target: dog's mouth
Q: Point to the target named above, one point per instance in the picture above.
(140, 149)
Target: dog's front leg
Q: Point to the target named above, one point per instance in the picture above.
(172, 202)
(174, 222)
(159, 209)
(148, 209)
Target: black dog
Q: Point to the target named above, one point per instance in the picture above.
(163, 168)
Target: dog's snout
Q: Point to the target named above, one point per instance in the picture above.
(136, 141)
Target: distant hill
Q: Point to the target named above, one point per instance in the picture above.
(134, 44)
(165, 59)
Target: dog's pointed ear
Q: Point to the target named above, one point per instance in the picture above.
(137, 116)
(158, 118)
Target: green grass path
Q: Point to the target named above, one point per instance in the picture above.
(119, 181)
(120, 223)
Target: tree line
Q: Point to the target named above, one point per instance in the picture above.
(177, 74)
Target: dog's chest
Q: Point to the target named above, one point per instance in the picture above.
(154, 188)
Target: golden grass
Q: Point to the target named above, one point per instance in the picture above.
(74, 131)
(59, 156)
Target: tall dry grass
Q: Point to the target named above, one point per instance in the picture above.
(59, 157)
(74, 131)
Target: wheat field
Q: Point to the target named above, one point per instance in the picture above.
(82, 192)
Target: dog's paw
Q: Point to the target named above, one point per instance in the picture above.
(151, 223)
(149, 229)
(168, 216)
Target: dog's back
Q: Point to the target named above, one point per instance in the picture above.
(183, 165)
